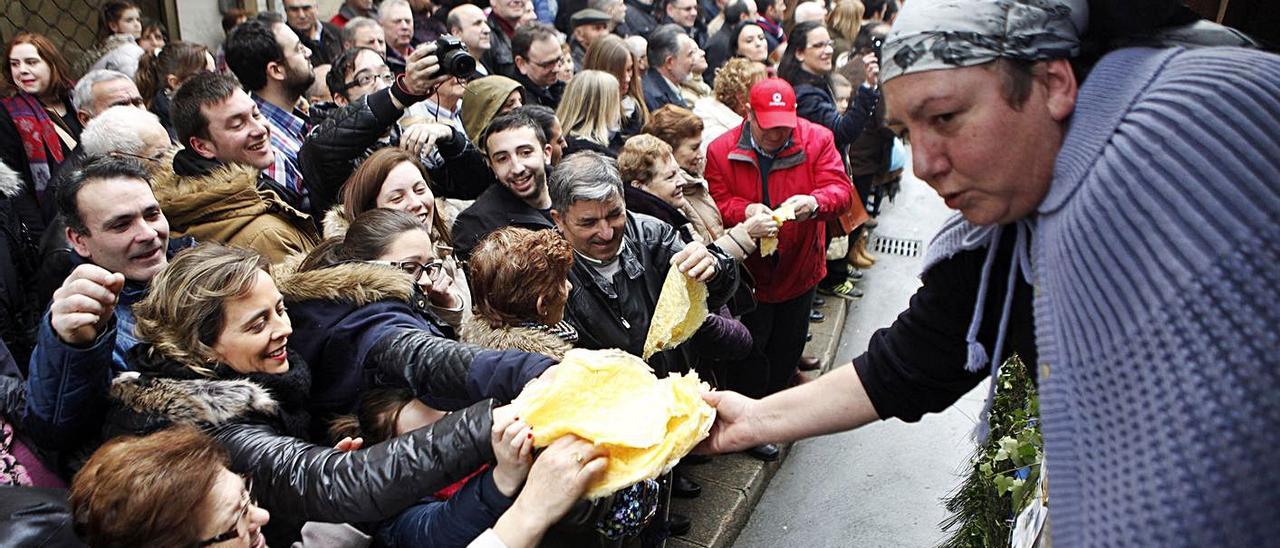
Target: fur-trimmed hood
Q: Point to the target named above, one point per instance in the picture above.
(356, 283)
(229, 191)
(187, 401)
(10, 182)
(477, 331)
(335, 223)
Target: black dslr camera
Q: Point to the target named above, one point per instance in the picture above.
(454, 58)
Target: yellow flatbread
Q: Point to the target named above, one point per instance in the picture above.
(612, 399)
(681, 309)
(769, 245)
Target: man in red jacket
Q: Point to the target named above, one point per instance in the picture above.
(777, 159)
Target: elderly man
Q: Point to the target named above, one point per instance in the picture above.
(1152, 324)
(324, 39)
(128, 131)
(670, 63)
(363, 32)
(396, 18)
(467, 22)
(588, 26)
(99, 90)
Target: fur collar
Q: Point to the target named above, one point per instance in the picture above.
(357, 283)
(476, 330)
(192, 401)
(10, 182)
(227, 190)
(335, 222)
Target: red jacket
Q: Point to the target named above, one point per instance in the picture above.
(810, 165)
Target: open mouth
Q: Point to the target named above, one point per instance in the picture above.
(261, 146)
(279, 354)
(147, 255)
(523, 184)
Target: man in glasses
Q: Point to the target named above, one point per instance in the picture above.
(536, 47)
(356, 73)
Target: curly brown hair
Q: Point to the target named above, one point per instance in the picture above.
(182, 314)
(512, 267)
(734, 81)
(639, 157)
(674, 124)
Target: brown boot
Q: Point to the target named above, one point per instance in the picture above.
(866, 254)
(857, 254)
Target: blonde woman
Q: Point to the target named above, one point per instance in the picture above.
(612, 55)
(844, 21)
(591, 113)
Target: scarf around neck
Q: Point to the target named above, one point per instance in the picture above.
(40, 139)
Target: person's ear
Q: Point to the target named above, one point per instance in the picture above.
(546, 151)
(78, 243)
(83, 117)
(172, 81)
(340, 100)
(636, 183)
(203, 147)
(1061, 88)
(557, 219)
(540, 307)
(276, 71)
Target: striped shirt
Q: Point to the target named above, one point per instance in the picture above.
(287, 133)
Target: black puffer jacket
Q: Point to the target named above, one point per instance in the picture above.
(336, 147)
(299, 481)
(618, 316)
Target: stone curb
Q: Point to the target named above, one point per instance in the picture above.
(733, 484)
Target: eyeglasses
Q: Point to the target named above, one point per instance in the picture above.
(247, 501)
(548, 64)
(155, 158)
(365, 79)
(414, 268)
(821, 45)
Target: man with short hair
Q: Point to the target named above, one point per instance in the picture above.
(537, 51)
(272, 63)
(546, 119)
(1087, 236)
(121, 239)
(777, 160)
(129, 131)
(101, 89)
(396, 18)
(504, 17)
(357, 72)
(517, 152)
(770, 14)
(363, 32)
(588, 26)
(812, 10)
(352, 9)
(684, 13)
(324, 39)
(670, 62)
(467, 22)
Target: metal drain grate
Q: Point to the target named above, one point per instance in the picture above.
(896, 246)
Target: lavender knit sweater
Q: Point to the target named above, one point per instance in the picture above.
(1157, 268)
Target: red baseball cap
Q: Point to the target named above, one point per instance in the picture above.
(774, 103)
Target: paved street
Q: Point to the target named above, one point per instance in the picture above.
(880, 485)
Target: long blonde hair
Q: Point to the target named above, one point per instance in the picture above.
(845, 20)
(591, 106)
(610, 54)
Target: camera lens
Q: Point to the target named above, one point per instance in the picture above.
(458, 63)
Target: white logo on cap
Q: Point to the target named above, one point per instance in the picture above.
(777, 100)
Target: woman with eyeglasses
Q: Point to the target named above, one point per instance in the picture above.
(219, 349)
(171, 488)
(393, 178)
(361, 305)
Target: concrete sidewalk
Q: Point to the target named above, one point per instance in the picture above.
(733, 484)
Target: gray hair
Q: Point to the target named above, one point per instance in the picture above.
(118, 129)
(353, 26)
(82, 96)
(584, 176)
(664, 42)
(602, 5)
(386, 6)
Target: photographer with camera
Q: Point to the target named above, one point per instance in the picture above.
(368, 122)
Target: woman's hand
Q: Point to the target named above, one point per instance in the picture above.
(440, 290)
(761, 225)
(558, 478)
(349, 444)
(513, 447)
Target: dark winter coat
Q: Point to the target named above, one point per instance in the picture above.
(19, 305)
(362, 325)
(816, 103)
(658, 93)
(497, 207)
(336, 147)
(619, 316)
(533, 94)
(499, 59)
(297, 480)
(640, 19)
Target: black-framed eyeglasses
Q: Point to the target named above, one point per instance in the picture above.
(365, 79)
(548, 64)
(246, 502)
(414, 268)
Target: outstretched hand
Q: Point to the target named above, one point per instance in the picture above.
(734, 429)
(695, 262)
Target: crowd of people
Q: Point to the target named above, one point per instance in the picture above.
(283, 288)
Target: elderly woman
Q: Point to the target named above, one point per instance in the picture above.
(171, 488)
(521, 279)
(38, 124)
(393, 178)
(728, 105)
(591, 113)
(216, 350)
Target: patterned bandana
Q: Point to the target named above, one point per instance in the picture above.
(944, 34)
